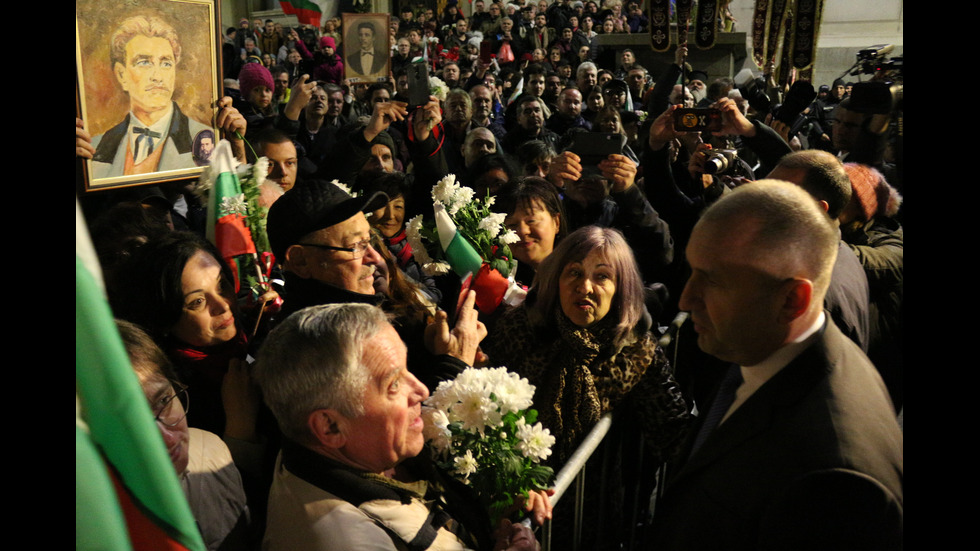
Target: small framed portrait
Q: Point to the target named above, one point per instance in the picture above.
(367, 55)
(147, 83)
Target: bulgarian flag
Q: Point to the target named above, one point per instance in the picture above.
(127, 495)
(491, 287)
(227, 208)
(306, 11)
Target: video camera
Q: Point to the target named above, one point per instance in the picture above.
(873, 60)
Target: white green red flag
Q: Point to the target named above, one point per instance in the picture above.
(127, 495)
(306, 11)
(227, 208)
(490, 286)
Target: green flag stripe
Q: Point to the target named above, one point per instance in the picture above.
(119, 418)
(462, 256)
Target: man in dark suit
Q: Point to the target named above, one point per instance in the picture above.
(848, 297)
(800, 448)
(367, 60)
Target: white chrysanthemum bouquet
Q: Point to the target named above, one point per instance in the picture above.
(438, 88)
(467, 238)
(482, 430)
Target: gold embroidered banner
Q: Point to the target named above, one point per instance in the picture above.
(706, 24)
(767, 27)
(659, 13)
(760, 26)
(805, 32)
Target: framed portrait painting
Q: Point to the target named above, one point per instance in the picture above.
(367, 50)
(147, 82)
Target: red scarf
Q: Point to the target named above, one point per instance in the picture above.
(209, 362)
(405, 254)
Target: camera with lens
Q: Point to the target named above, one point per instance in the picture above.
(873, 60)
(720, 161)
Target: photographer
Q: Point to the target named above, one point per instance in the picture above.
(675, 174)
(612, 199)
(861, 124)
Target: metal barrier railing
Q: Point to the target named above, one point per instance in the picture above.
(574, 471)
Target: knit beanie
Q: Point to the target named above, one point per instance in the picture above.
(328, 42)
(873, 193)
(253, 75)
(863, 183)
(386, 140)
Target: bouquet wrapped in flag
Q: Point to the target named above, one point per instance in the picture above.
(482, 430)
(467, 238)
(236, 220)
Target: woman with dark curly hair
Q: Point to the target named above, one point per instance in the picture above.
(179, 289)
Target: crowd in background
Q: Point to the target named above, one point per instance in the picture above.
(514, 127)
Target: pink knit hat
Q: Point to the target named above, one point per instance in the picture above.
(252, 75)
(328, 42)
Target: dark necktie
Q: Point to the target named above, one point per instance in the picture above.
(147, 135)
(723, 401)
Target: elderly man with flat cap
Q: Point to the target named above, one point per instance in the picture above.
(322, 238)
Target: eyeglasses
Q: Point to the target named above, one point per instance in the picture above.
(164, 411)
(357, 250)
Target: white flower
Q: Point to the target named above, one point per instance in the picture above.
(535, 441)
(492, 223)
(415, 240)
(433, 268)
(509, 237)
(477, 412)
(466, 464)
(463, 196)
(472, 406)
(233, 204)
(443, 398)
(513, 393)
(413, 229)
(445, 190)
(436, 428)
(490, 200)
(437, 87)
(260, 170)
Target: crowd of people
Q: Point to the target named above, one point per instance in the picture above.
(783, 241)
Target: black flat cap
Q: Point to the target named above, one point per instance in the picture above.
(310, 206)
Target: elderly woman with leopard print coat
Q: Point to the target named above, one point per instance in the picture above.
(582, 338)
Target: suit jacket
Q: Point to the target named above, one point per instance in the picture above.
(812, 460)
(354, 62)
(110, 148)
(848, 297)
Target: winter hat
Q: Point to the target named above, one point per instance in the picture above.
(253, 75)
